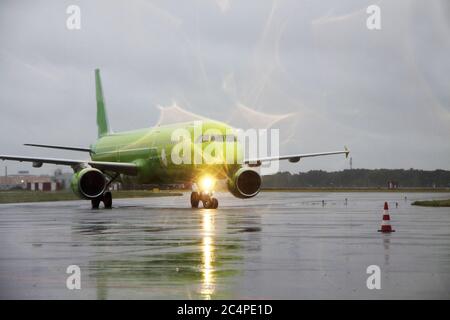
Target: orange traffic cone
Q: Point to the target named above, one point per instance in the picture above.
(385, 224)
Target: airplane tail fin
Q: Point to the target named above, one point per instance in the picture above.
(102, 118)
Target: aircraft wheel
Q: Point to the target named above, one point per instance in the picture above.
(215, 203)
(195, 199)
(207, 204)
(107, 200)
(96, 202)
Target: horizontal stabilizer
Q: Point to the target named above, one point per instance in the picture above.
(59, 147)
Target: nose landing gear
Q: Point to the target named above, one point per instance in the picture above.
(209, 202)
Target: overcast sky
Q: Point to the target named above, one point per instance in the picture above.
(310, 68)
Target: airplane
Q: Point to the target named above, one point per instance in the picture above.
(141, 156)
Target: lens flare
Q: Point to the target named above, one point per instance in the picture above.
(207, 183)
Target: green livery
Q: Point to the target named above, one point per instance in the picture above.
(102, 119)
(196, 152)
(151, 149)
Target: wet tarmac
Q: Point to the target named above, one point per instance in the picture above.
(274, 246)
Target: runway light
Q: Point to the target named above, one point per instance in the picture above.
(207, 183)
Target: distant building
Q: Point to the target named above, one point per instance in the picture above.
(26, 181)
(42, 186)
(392, 184)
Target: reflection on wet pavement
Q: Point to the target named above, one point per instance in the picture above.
(277, 245)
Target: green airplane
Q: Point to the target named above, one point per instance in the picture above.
(204, 152)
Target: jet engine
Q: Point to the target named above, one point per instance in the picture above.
(88, 183)
(245, 183)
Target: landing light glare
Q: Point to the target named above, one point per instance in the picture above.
(207, 183)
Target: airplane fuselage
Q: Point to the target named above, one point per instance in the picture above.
(152, 150)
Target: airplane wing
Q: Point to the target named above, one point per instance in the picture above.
(293, 157)
(119, 167)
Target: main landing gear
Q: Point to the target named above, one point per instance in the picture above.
(209, 202)
(106, 198)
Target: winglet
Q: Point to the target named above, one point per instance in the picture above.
(346, 152)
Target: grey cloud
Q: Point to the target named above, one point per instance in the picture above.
(383, 93)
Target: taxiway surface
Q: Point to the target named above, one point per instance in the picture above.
(276, 245)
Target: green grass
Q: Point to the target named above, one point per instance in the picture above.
(432, 203)
(20, 196)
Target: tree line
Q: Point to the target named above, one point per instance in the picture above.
(359, 178)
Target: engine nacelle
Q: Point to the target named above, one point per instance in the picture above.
(88, 183)
(245, 183)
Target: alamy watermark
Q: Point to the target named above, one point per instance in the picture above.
(73, 21)
(374, 280)
(73, 282)
(373, 22)
(212, 146)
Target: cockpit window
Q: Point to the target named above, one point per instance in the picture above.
(202, 138)
(230, 138)
(218, 138)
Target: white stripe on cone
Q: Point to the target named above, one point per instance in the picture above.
(385, 224)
